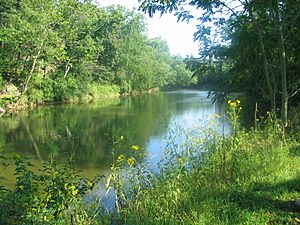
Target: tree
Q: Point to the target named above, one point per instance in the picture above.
(266, 19)
(61, 49)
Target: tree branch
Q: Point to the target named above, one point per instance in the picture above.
(294, 93)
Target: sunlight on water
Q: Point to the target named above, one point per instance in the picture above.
(86, 131)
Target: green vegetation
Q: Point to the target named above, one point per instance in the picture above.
(53, 196)
(246, 45)
(245, 177)
(57, 50)
(62, 50)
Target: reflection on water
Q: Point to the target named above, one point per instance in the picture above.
(88, 131)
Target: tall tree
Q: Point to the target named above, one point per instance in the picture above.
(267, 19)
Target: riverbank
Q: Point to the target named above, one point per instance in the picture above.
(247, 177)
(95, 92)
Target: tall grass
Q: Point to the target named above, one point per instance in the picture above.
(244, 178)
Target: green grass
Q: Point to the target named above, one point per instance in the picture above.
(247, 178)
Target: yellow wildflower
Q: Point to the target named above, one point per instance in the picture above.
(74, 190)
(135, 147)
(233, 104)
(121, 158)
(122, 138)
(130, 161)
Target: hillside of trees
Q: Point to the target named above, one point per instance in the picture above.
(56, 50)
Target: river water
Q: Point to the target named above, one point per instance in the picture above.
(88, 132)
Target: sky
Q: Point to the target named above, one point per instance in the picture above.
(179, 35)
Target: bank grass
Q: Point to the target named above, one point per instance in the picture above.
(209, 177)
(103, 91)
(247, 177)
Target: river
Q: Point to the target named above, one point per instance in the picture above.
(87, 131)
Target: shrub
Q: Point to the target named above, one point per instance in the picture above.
(52, 196)
(66, 89)
(35, 95)
(294, 121)
(97, 90)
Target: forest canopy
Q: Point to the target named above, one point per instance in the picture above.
(55, 50)
(246, 45)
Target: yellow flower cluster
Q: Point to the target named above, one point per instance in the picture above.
(130, 161)
(74, 190)
(135, 147)
(180, 160)
(234, 103)
(121, 158)
(270, 114)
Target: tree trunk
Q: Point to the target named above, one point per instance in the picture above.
(271, 87)
(281, 47)
(35, 58)
(67, 69)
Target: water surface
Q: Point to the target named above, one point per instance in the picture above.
(88, 131)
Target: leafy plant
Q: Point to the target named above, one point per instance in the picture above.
(245, 177)
(55, 195)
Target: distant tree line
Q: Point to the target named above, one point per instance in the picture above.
(53, 50)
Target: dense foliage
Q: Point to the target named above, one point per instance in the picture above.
(248, 45)
(58, 50)
(52, 196)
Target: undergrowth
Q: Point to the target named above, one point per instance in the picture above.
(54, 195)
(243, 177)
(247, 177)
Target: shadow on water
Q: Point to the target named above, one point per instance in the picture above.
(88, 131)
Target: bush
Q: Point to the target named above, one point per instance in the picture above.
(35, 95)
(66, 89)
(294, 121)
(104, 91)
(52, 196)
